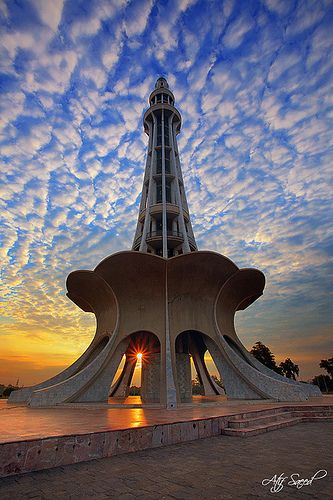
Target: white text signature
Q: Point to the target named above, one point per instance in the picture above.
(277, 482)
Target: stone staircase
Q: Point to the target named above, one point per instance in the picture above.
(257, 422)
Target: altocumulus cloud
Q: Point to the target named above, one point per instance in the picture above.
(253, 81)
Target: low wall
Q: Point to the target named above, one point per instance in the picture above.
(36, 454)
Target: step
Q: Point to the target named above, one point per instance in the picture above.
(320, 418)
(310, 408)
(260, 429)
(258, 420)
(312, 412)
(266, 412)
(285, 409)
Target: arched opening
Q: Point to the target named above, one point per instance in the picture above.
(197, 375)
(137, 379)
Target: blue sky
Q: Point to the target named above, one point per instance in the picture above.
(253, 81)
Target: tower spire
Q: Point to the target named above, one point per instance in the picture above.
(164, 226)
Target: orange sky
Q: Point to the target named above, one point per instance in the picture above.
(35, 357)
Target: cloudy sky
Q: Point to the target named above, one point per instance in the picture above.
(253, 81)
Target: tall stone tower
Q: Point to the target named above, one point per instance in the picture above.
(164, 226)
(164, 302)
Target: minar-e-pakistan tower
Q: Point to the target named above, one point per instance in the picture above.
(164, 302)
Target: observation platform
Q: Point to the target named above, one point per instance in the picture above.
(40, 438)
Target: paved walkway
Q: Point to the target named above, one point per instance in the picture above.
(215, 468)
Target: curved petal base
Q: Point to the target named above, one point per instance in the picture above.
(171, 310)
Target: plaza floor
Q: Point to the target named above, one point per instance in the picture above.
(220, 467)
(19, 422)
(33, 439)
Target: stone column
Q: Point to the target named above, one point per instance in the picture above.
(150, 378)
(183, 364)
(122, 386)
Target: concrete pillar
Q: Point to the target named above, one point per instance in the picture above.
(200, 366)
(183, 364)
(150, 378)
(122, 386)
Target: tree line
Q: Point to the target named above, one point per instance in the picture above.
(290, 370)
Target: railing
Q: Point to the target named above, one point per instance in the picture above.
(171, 208)
(186, 215)
(170, 234)
(191, 241)
(167, 172)
(137, 241)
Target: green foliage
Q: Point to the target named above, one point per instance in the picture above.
(265, 356)
(197, 387)
(7, 392)
(324, 382)
(327, 364)
(289, 369)
(135, 391)
(218, 381)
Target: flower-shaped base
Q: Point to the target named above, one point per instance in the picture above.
(167, 311)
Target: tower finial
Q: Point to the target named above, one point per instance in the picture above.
(161, 82)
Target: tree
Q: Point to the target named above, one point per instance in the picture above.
(218, 381)
(265, 356)
(324, 382)
(289, 369)
(9, 389)
(134, 391)
(197, 387)
(327, 364)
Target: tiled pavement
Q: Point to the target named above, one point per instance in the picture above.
(220, 467)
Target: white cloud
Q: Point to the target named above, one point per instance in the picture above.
(96, 74)
(102, 11)
(308, 13)
(112, 51)
(165, 37)
(285, 60)
(237, 30)
(281, 7)
(136, 17)
(50, 12)
(85, 28)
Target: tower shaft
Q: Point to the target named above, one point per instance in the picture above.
(164, 226)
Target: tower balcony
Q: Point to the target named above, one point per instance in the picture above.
(192, 242)
(171, 209)
(186, 215)
(142, 215)
(168, 109)
(154, 238)
(158, 175)
(137, 241)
